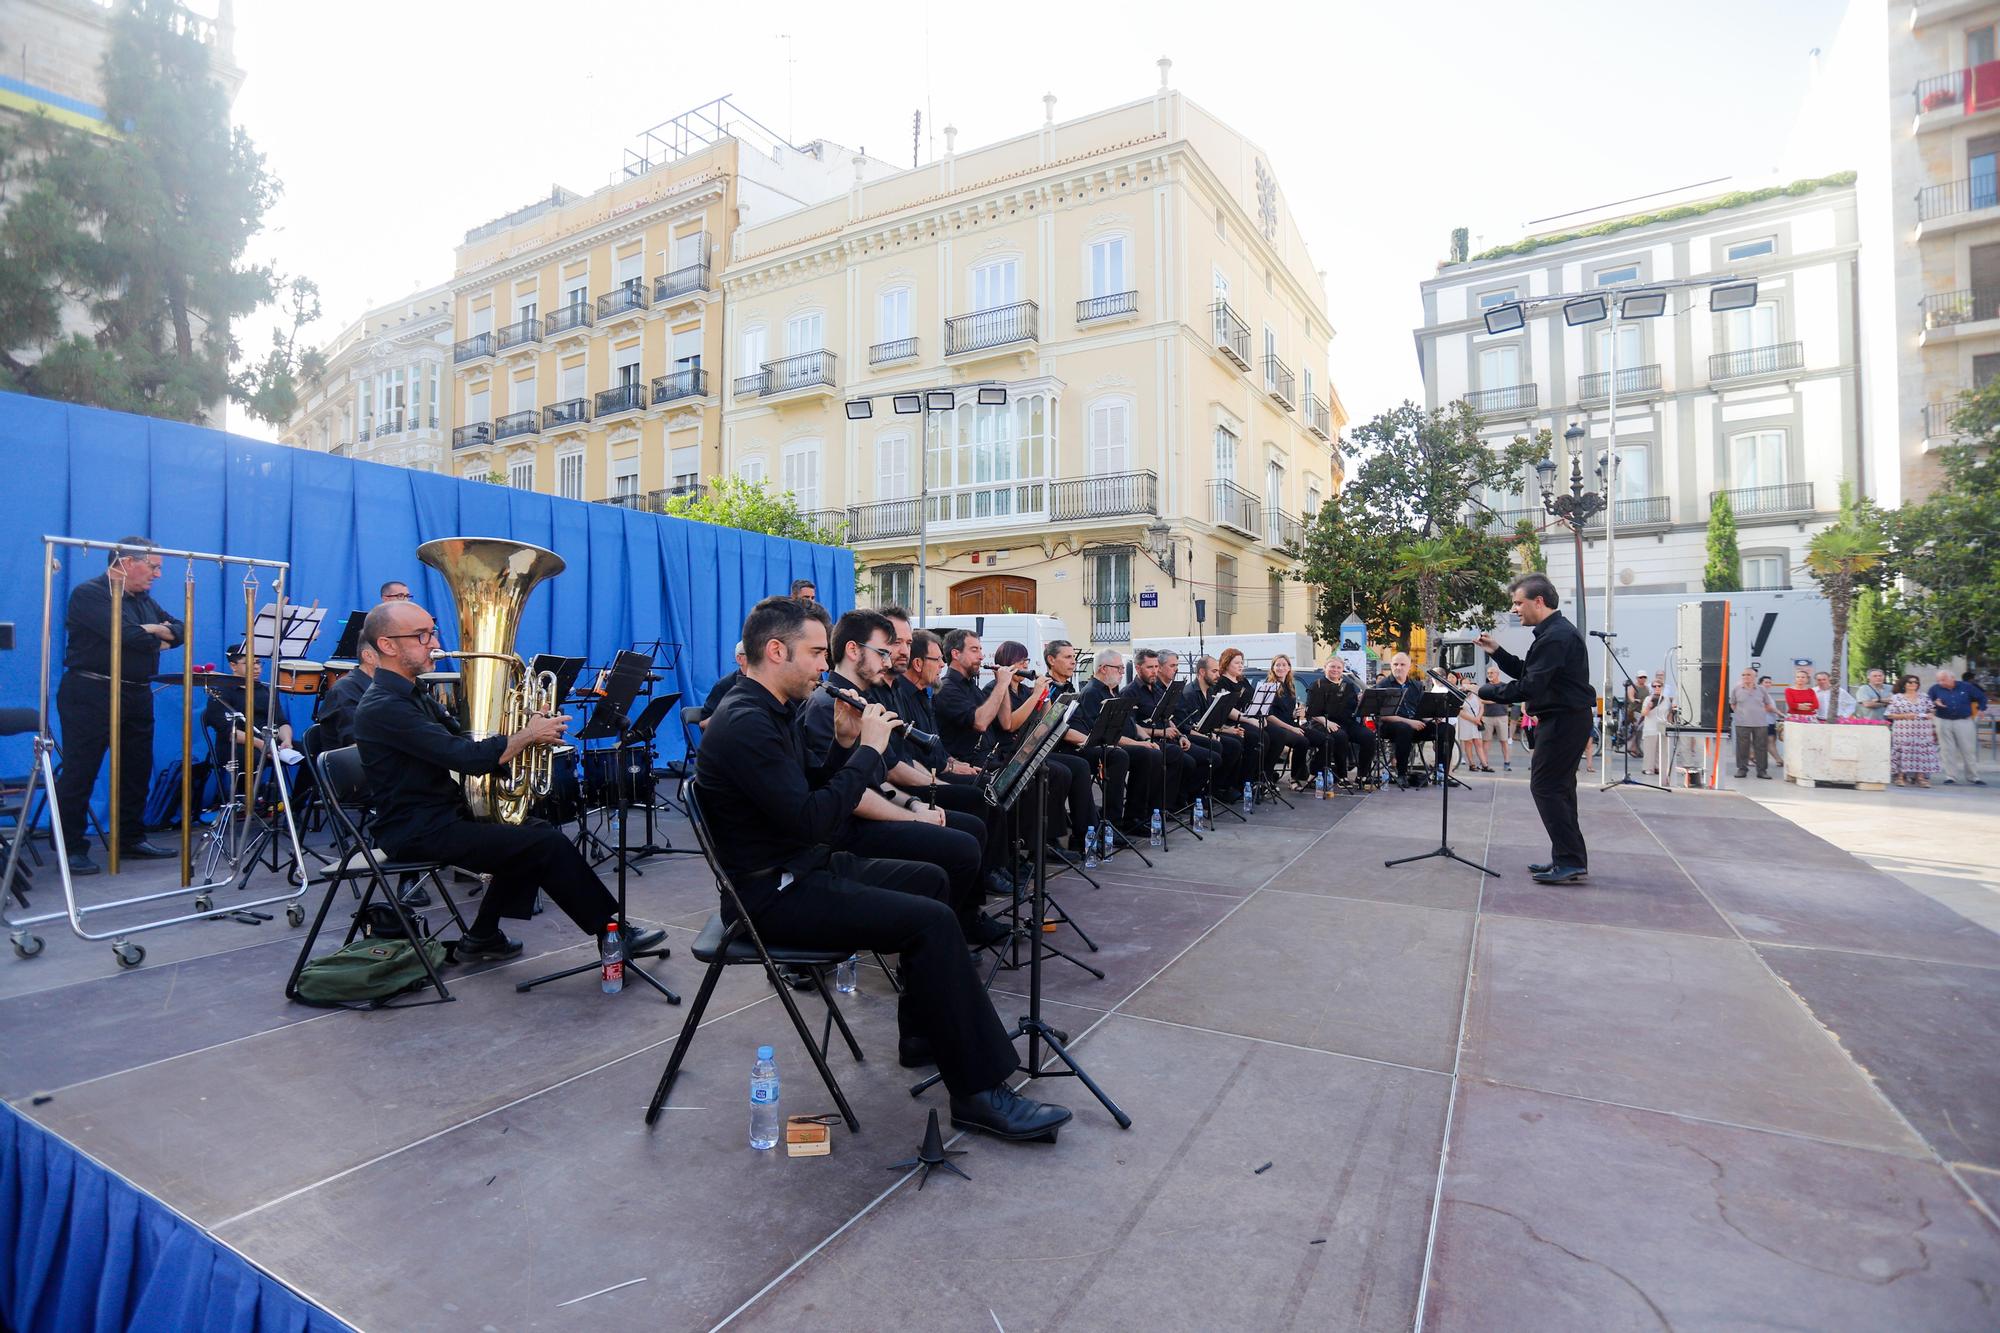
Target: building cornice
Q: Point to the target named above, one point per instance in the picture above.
(703, 190)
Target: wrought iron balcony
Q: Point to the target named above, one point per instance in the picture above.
(685, 281)
(689, 382)
(998, 327)
(1319, 420)
(1651, 510)
(363, 435)
(1503, 401)
(1108, 495)
(628, 500)
(1111, 621)
(753, 385)
(1232, 335)
(1502, 522)
(1756, 361)
(1231, 506)
(1793, 497)
(620, 398)
(885, 520)
(518, 334)
(1282, 529)
(1938, 418)
(807, 370)
(569, 317)
(569, 412)
(1106, 307)
(622, 299)
(466, 437)
(1944, 309)
(1955, 197)
(692, 490)
(896, 349)
(830, 523)
(471, 349)
(1631, 380)
(515, 423)
(1279, 381)
(389, 423)
(1967, 90)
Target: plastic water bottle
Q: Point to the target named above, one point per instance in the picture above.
(611, 968)
(846, 973)
(764, 1101)
(1249, 796)
(1200, 815)
(1090, 856)
(1323, 780)
(1156, 835)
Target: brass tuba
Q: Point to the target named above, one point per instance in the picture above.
(490, 580)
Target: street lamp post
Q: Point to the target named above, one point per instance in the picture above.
(1573, 510)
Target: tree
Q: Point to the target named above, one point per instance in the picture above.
(1948, 547)
(732, 502)
(1437, 568)
(1528, 547)
(1838, 558)
(1724, 570)
(143, 230)
(1879, 633)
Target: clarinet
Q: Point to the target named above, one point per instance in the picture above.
(903, 730)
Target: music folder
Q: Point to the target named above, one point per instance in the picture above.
(1211, 716)
(1163, 711)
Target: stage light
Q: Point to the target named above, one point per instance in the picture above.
(1733, 296)
(859, 409)
(907, 403)
(993, 395)
(1506, 318)
(940, 400)
(1643, 305)
(1585, 310)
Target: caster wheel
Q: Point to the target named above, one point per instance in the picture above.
(295, 915)
(129, 955)
(27, 946)
(203, 902)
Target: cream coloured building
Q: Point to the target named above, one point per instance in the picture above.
(588, 333)
(384, 395)
(1135, 284)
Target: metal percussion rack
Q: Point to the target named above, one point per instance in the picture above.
(42, 775)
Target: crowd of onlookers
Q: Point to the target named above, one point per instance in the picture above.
(1934, 730)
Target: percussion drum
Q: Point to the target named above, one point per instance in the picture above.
(336, 667)
(298, 676)
(565, 799)
(600, 777)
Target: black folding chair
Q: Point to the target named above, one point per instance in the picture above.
(735, 943)
(345, 787)
(692, 716)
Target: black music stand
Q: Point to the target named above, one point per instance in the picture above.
(1204, 727)
(1105, 733)
(1374, 702)
(1630, 721)
(1456, 699)
(1441, 711)
(1259, 711)
(610, 719)
(1155, 722)
(565, 669)
(644, 728)
(348, 644)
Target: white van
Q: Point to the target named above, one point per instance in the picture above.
(1032, 631)
(1258, 649)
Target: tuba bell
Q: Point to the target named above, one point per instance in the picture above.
(490, 580)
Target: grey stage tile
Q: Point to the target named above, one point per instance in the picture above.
(1682, 804)
(1372, 979)
(1128, 872)
(495, 1223)
(1723, 838)
(1929, 1033)
(1606, 830)
(1862, 908)
(1560, 1214)
(1137, 931)
(1624, 889)
(1166, 1226)
(1673, 1022)
(1986, 1184)
(1233, 853)
(1351, 867)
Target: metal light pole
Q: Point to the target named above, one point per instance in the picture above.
(923, 523)
(1572, 510)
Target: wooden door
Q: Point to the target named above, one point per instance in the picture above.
(992, 595)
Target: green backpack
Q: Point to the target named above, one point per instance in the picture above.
(365, 973)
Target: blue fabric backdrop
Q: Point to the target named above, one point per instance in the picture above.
(347, 528)
(82, 1250)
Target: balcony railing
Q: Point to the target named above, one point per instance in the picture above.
(1955, 197)
(830, 523)
(689, 382)
(363, 435)
(518, 334)
(1938, 418)
(515, 423)
(681, 282)
(1104, 307)
(1319, 420)
(807, 370)
(1019, 322)
(471, 349)
(1021, 500)
(896, 349)
(692, 490)
(620, 398)
(1109, 495)
(883, 520)
(569, 412)
(1970, 90)
(1111, 622)
(1279, 381)
(390, 423)
(1756, 361)
(628, 500)
(1282, 529)
(569, 317)
(1632, 379)
(625, 297)
(1230, 506)
(753, 385)
(465, 437)
(1232, 335)
(1944, 309)
(1794, 497)
(1511, 398)
(1652, 509)
(1502, 522)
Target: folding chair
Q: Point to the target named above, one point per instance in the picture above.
(345, 786)
(692, 716)
(735, 943)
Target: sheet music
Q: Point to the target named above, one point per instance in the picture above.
(301, 627)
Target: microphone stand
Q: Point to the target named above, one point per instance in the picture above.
(1444, 828)
(1628, 780)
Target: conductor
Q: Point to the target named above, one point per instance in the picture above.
(1554, 683)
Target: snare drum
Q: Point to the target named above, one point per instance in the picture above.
(298, 676)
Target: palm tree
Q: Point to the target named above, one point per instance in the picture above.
(1836, 558)
(1432, 564)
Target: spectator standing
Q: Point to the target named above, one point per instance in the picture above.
(1494, 726)
(1913, 744)
(1871, 701)
(1750, 713)
(1653, 718)
(1830, 705)
(1958, 704)
(1471, 727)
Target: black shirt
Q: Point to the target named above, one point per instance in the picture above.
(1090, 701)
(956, 700)
(913, 705)
(413, 752)
(721, 687)
(1334, 702)
(1556, 676)
(336, 710)
(1194, 702)
(763, 816)
(87, 631)
(816, 724)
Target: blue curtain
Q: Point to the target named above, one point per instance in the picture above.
(347, 528)
(82, 1250)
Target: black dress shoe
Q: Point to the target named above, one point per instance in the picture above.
(81, 865)
(416, 896)
(1562, 875)
(914, 1053)
(1540, 867)
(146, 851)
(1005, 1114)
(999, 886)
(986, 932)
(483, 948)
(639, 941)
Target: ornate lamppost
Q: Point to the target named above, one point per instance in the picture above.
(1574, 510)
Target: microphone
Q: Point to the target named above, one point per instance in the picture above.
(1600, 634)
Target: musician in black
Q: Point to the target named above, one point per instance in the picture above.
(1554, 685)
(1331, 707)
(1405, 727)
(1247, 725)
(335, 725)
(1284, 718)
(1059, 657)
(83, 699)
(772, 832)
(966, 711)
(223, 715)
(1230, 763)
(414, 753)
(723, 685)
(1131, 765)
(1181, 764)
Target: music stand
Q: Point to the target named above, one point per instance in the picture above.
(565, 670)
(644, 728)
(293, 640)
(1441, 710)
(1375, 700)
(1631, 721)
(1104, 733)
(1456, 698)
(348, 644)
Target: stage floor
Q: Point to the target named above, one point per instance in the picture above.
(1741, 1079)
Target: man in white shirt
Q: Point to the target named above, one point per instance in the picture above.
(1829, 709)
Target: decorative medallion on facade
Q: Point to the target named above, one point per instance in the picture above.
(1267, 201)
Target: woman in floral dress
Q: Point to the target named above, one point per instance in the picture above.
(1913, 746)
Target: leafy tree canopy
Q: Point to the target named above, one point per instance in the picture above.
(732, 502)
(1948, 547)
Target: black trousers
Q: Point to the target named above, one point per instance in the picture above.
(1280, 740)
(1552, 781)
(954, 849)
(521, 858)
(966, 796)
(1151, 778)
(1320, 750)
(1226, 764)
(85, 708)
(899, 907)
(1079, 796)
(1404, 739)
(1115, 763)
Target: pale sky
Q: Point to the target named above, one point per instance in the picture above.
(397, 126)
